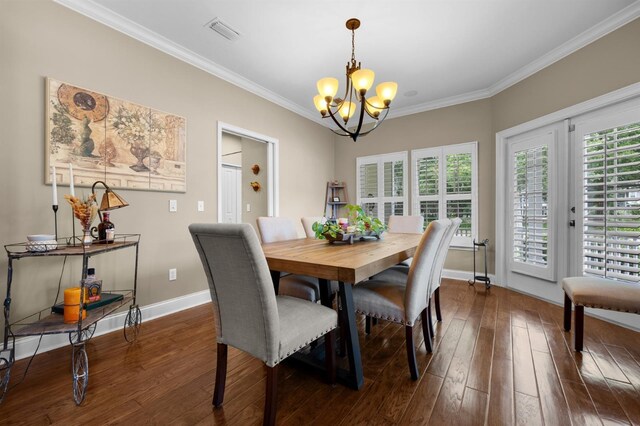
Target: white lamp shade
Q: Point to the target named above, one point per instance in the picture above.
(320, 103)
(387, 91)
(374, 106)
(362, 79)
(347, 109)
(328, 87)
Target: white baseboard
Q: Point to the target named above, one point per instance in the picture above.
(26, 346)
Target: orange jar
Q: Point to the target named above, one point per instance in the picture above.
(72, 305)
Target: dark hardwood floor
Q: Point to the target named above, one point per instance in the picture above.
(501, 358)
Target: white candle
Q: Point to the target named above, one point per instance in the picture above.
(55, 187)
(71, 189)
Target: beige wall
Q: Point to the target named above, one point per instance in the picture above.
(39, 38)
(601, 67)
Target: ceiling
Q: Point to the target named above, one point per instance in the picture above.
(439, 52)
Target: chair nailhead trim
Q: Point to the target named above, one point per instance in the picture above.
(305, 344)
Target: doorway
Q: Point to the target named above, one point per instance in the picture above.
(247, 175)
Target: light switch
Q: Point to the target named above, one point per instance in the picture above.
(248, 207)
(173, 274)
(173, 205)
(200, 206)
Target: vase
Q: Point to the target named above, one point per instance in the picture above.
(140, 152)
(87, 239)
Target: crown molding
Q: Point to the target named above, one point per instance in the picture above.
(440, 103)
(124, 25)
(587, 37)
(119, 23)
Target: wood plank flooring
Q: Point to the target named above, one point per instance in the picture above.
(500, 358)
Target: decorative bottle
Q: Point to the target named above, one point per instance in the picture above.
(106, 230)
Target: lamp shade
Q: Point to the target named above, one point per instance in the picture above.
(362, 79)
(320, 103)
(111, 201)
(328, 87)
(347, 109)
(387, 91)
(374, 106)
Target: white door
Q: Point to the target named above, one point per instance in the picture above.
(536, 208)
(231, 194)
(606, 239)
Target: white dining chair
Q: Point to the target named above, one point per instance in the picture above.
(249, 315)
(405, 303)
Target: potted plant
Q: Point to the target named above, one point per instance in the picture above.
(360, 225)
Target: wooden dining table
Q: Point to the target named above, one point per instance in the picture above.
(349, 264)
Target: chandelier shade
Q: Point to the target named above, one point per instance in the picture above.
(359, 82)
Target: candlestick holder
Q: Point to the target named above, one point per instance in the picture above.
(54, 207)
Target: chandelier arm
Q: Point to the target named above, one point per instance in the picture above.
(378, 122)
(331, 114)
(362, 108)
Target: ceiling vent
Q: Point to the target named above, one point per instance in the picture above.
(223, 29)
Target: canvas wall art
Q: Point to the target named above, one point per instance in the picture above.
(124, 144)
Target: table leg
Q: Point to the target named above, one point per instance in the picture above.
(275, 277)
(325, 292)
(353, 345)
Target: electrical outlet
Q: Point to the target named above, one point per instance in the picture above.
(173, 205)
(248, 207)
(200, 206)
(173, 274)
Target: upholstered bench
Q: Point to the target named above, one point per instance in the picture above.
(596, 293)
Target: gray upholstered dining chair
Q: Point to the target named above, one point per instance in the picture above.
(405, 225)
(274, 229)
(307, 224)
(399, 274)
(405, 304)
(248, 314)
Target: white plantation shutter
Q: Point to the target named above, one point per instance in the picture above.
(530, 208)
(611, 203)
(531, 169)
(381, 184)
(445, 186)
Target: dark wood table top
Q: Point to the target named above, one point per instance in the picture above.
(349, 263)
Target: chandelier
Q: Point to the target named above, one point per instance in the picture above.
(359, 81)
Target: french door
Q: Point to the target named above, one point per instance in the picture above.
(535, 203)
(571, 201)
(606, 193)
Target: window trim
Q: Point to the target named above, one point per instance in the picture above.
(441, 152)
(380, 159)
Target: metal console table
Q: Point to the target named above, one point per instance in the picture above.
(48, 322)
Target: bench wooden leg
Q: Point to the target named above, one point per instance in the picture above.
(579, 327)
(567, 313)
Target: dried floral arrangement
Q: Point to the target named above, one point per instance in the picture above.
(84, 210)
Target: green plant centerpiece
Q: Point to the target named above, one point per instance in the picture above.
(359, 226)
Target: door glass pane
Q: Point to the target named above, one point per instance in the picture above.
(530, 206)
(458, 173)
(369, 180)
(611, 203)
